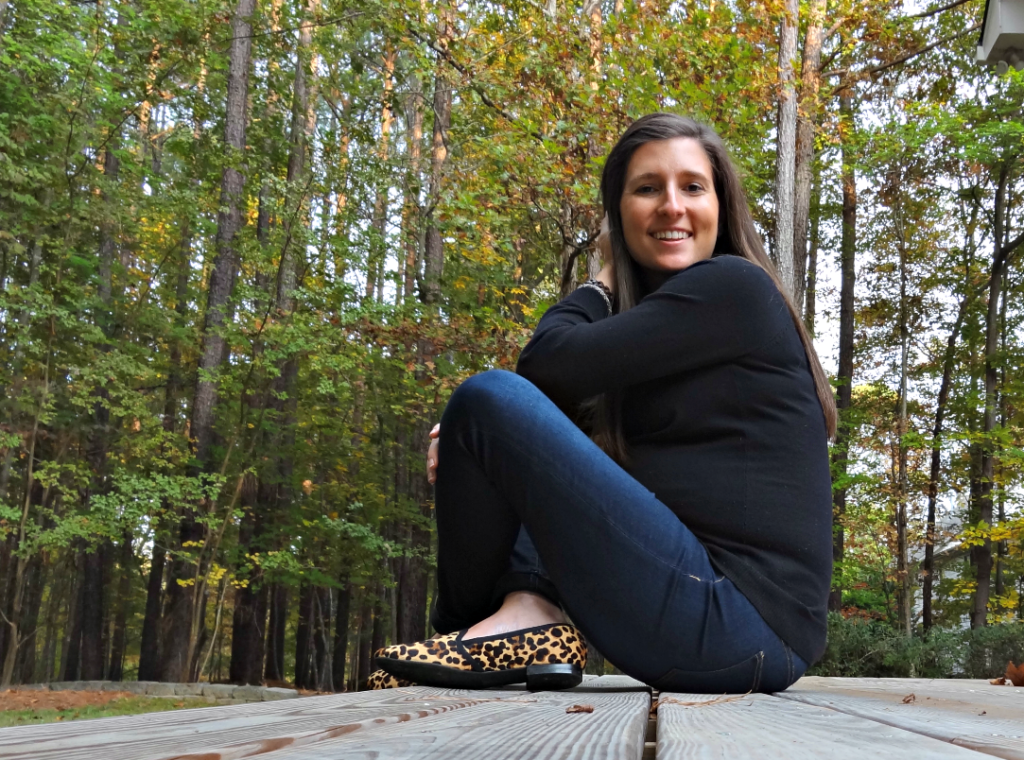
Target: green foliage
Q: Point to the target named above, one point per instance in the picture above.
(873, 649)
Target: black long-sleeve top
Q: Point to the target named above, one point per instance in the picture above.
(722, 423)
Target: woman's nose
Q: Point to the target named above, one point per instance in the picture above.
(672, 203)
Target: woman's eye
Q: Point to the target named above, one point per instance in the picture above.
(694, 187)
(645, 189)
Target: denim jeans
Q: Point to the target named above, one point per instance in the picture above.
(526, 501)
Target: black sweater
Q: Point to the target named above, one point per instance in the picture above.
(722, 423)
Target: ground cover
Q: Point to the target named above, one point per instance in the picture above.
(22, 707)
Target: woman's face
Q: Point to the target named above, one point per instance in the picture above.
(669, 207)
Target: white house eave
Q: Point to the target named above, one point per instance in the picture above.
(1002, 34)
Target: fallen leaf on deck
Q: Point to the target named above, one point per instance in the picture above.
(1015, 673)
(909, 698)
(983, 712)
(1001, 681)
(580, 709)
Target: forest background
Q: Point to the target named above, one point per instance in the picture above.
(247, 249)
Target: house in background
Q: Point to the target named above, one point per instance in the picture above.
(1002, 35)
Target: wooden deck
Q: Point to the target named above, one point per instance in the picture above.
(836, 718)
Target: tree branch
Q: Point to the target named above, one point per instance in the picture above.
(1010, 247)
(925, 49)
(447, 57)
(902, 59)
(936, 11)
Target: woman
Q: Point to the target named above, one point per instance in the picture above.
(689, 534)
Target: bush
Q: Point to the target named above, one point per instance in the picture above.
(873, 649)
(989, 649)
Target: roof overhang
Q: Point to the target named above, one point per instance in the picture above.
(1002, 34)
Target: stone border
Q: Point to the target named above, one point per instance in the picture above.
(217, 693)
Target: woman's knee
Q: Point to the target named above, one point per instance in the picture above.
(492, 390)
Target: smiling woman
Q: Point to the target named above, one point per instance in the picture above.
(657, 469)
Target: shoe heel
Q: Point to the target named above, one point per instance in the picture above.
(553, 677)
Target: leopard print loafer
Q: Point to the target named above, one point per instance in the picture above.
(380, 679)
(547, 657)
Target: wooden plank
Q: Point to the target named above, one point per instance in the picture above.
(971, 691)
(762, 727)
(976, 715)
(250, 728)
(269, 729)
(511, 725)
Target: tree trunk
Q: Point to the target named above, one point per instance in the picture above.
(6, 583)
(322, 651)
(568, 262)
(1001, 548)
(61, 586)
(30, 620)
(340, 653)
(412, 212)
(178, 650)
(149, 648)
(364, 665)
(848, 252)
(786, 149)
(249, 619)
(982, 555)
(378, 222)
(99, 437)
(442, 110)
(377, 636)
(13, 620)
(928, 572)
(120, 636)
(905, 598)
(92, 616)
(73, 646)
(274, 661)
(412, 601)
(274, 490)
(807, 117)
(814, 243)
(303, 634)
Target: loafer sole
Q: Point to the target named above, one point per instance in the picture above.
(537, 677)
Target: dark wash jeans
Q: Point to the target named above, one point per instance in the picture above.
(635, 580)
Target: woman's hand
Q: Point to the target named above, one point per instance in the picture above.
(604, 245)
(435, 434)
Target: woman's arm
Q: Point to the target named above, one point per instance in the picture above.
(711, 312)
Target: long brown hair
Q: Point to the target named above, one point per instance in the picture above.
(737, 236)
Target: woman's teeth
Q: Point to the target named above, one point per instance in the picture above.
(672, 235)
